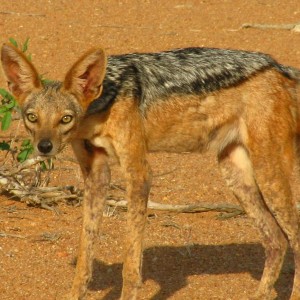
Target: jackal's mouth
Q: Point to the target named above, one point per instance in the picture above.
(46, 155)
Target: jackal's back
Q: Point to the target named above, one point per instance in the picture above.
(150, 77)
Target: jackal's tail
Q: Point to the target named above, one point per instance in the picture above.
(294, 74)
(290, 72)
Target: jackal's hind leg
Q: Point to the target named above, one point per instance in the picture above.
(237, 170)
(272, 176)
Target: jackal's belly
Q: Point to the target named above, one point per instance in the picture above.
(192, 137)
(190, 125)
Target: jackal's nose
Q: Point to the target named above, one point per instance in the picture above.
(45, 146)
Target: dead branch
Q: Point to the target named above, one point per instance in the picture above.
(4, 234)
(21, 14)
(185, 208)
(12, 181)
(227, 210)
(293, 27)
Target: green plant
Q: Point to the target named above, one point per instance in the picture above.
(23, 47)
(7, 108)
(8, 104)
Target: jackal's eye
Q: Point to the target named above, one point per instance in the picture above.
(31, 117)
(66, 119)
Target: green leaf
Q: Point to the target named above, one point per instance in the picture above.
(6, 120)
(6, 95)
(25, 45)
(14, 42)
(47, 164)
(46, 81)
(3, 109)
(11, 104)
(43, 166)
(26, 143)
(4, 146)
(26, 150)
(8, 105)
(23, 155)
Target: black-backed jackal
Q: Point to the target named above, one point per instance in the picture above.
(242, 105)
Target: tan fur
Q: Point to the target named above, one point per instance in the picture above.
(252, 127)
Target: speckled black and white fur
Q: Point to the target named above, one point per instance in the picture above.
(155, 76)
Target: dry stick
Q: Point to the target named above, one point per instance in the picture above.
(27, 164)
(21, 14)
(11, 182)
(3, 234)
(44, 196)
(185, 208)
(49, 195)
(123, 26)
(294, 27)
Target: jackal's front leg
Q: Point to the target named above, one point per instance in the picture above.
(138, 189)
(96, 184)
(125, 129)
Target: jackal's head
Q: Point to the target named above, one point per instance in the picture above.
(52, 111)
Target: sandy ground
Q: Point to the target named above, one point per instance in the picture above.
(187, 256)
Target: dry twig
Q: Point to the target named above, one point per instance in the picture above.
(185, 208)
(7, 12)
(12, 181)
(4, 234)
(293, 27)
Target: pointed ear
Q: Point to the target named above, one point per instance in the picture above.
(85, 78)
(21, 75)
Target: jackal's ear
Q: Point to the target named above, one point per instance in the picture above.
(84, 79)
(21, 75)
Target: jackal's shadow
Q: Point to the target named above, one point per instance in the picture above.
(171, 266)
